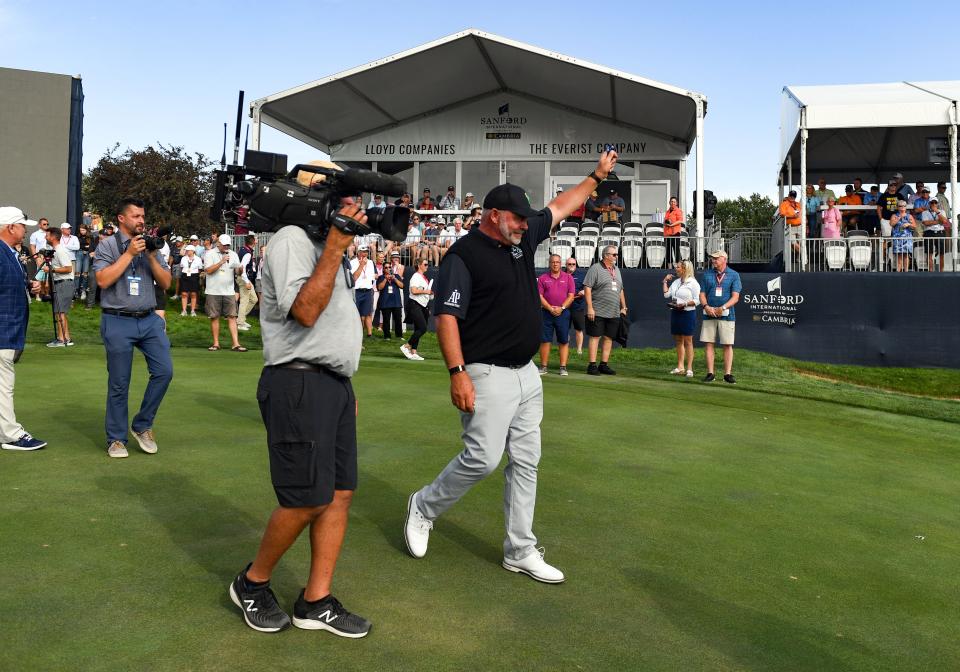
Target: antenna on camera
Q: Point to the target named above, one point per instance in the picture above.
(236, 138)
(223, 157)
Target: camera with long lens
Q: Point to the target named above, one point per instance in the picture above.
(270, 198)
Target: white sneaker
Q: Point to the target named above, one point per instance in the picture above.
(243, 327)
(534, 566)
(543, 370)
(193, 313)
(563, 371)
(416, 356)
(117, 449)
(416, 530)
(183, 313)
(676, 372)
(689, 373)
(405, 349)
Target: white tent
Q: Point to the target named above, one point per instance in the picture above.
(414, 87)
(871, 131)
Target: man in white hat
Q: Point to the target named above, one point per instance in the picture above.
(222, 266)
(70, 242)
(14, 313)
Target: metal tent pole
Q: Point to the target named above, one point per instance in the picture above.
(699, 169)
(952, 139)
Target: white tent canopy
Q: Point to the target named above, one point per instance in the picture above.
(454, 71)
(867, 130)
(871, 131)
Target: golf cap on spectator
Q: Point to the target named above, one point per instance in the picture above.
(849, 187)
(224, 239)
(469, 194)
(11, 215)
(792, 193)
(924, 191)
(718, 253)
(65, 225)
(893, 181)
(189, 248)
(559, 189)
(451, 188)
(395, 254)
(933, 200)
(613, 191)
(509, 197)
(898, 176)
(363, 248)
(426, 189)
(194, 237)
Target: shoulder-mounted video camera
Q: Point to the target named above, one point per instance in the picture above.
(272, 198)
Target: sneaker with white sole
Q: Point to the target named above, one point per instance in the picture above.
(56, 343)
(543, 370)
(689, 373)
(328, 614)
(405, 349)
(535, 567)
(416, 356)
(25, 442)
(183, 313)
(563, 371)
(117, 449)
(676, 372)
(416, 529)
(259, 606)
(148, 443)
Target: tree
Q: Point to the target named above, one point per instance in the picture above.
(756, 212)
(176, 187)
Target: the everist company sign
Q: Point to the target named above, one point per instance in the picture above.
(774, 307)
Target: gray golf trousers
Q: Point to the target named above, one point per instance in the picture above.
(507, 415)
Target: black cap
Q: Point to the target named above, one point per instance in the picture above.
(849, 187)
(792, 193)
(426, 188)
(509, 197)
(451, 188)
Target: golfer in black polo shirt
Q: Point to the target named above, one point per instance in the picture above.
(488, 324)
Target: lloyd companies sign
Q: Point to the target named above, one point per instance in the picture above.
(773, 307)
(506, 128)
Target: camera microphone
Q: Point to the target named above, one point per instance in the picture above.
(367, 181)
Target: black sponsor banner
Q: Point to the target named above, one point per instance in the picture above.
(873, 319)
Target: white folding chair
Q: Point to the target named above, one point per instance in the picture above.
(835, 253)
(861, 250)
(684, 248)
(610, 232)
(585, 251)
(541, 258)
(563, 247)
(655, 249)
(920, 255)
(635, 229)
(631, 251)
(589, 230)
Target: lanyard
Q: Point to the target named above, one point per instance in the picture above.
(613, 273)
(720, 277)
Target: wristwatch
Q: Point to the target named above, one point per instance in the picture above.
(593, 175)
(457, 369)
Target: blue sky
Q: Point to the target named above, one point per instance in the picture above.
(160, 72)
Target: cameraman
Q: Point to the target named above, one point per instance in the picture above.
(14, 313)
(59, 273)
(126, 273)
(311, 348)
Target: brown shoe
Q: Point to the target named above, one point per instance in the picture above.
(148, 444)
(117, 449)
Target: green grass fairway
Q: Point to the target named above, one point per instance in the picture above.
(700, 528)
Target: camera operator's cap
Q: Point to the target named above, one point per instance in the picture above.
(65, 225)
(224, 239)
(11, 215)
(509, 197)
(718, 253)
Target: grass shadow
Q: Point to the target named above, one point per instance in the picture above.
(755, 640)
(217, 536)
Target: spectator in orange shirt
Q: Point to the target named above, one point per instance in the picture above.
(672, 221)
(790, 211)
(851, 218)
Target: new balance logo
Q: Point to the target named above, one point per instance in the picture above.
(327, 616)
(250, 606)
(454, 300)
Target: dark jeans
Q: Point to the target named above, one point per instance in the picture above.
(397, 315)
(120, 336)
(419, 315)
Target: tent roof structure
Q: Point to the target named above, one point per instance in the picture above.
(467, 66)
(867, 130)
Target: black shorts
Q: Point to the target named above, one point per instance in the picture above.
(161, 297)
(603, 326)
(577, 317)
(311, 423)
(189, 283)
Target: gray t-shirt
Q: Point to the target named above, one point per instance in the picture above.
(605, 290)
(133, 291)
(336, 338)
(62, 259)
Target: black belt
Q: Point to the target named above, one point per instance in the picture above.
(59, 281)
(369, 289)
(504, 364)
(126, 313)
(300, 365)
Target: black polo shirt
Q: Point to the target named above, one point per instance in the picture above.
(491, 289)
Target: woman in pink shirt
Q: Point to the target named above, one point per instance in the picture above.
(831, 220)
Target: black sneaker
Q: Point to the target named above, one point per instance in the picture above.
(709, 378)
(259, 607)
(728, 378)
(329, 614)
(606, 370)
(592, 369)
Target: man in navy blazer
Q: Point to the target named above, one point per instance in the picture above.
(14, 313)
